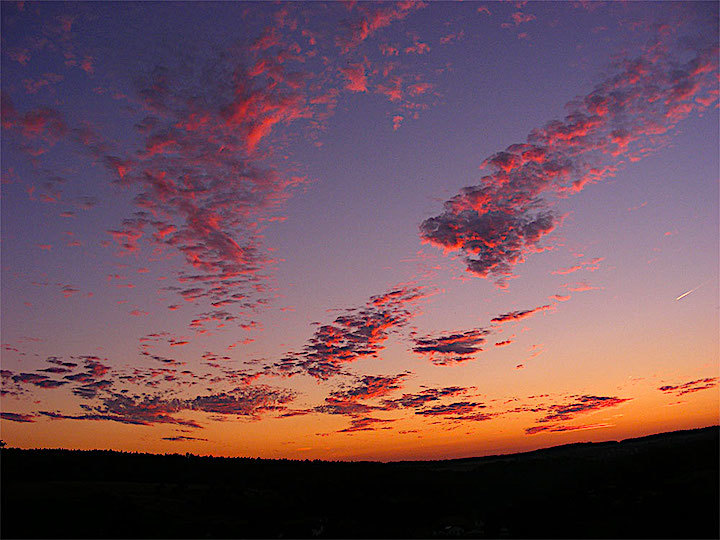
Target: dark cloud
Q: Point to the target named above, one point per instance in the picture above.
(55, 369)
(343, 407)
(141, 410)
(91, 379)
(93, 416)
(90, 390)
(419, 399)
(183, 438)
(162, 359)
(475, 417)
(49, 383)
(452, 348)
(458, 408)
(42, 381)
(17, 417)
(366, 423)
(690, 387)
(580, 405)
(517, 315)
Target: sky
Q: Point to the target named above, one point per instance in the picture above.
(357, 231)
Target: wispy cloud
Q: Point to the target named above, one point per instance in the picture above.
(519, 315)
(556, 414)
(690, 387)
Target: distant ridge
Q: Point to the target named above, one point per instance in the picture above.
(659, 486)
(590, 444)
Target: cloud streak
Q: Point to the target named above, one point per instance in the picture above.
(496, 223)
(512, 316)
(17, 417)
(690, 387)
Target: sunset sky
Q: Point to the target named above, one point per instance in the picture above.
(382, 231)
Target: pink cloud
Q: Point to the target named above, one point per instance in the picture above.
(355, 74)
(419, 88)
(393, 90)
(581, 286)
(373, 17)
(417, 48)
(496, 223)
(591, 266)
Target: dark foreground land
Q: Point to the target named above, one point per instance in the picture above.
(663, 486)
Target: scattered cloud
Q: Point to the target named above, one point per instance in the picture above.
(453, 348)
(458, 408)
(366, 423)
(690, 387)
(591, 266)
(244, 401)
(182, 438)
(556, 415)
(355, 75)
(371, 17)
(358, 333)
(582, 286)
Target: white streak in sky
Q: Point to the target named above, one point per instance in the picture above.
(690, 291)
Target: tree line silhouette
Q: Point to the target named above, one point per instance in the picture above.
(662, 486)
